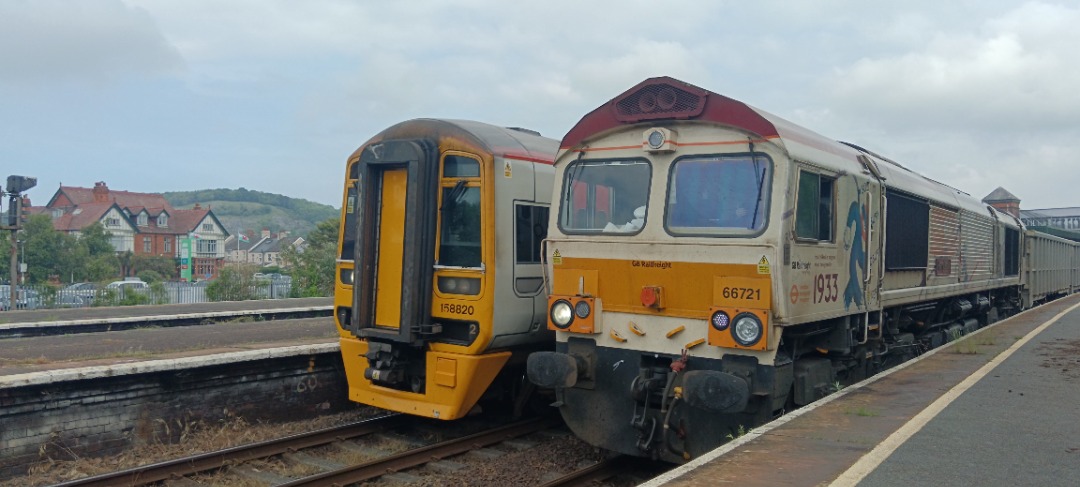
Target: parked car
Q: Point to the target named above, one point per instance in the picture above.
(25, 298)
(77, 295)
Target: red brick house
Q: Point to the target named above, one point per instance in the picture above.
(142, 223)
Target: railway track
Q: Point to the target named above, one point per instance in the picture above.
(181, 467)
(233, 458)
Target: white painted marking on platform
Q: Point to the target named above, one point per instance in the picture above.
(869, 462)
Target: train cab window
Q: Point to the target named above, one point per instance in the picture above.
(605, 196)
(530, 230)
(814, 215)
(718, 195)
(460, 167)
(459, 213)
(349, 230)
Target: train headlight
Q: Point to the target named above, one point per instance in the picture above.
(582, 309)
(562, 314)
(469, 286)
(348, 276)
(720, 320)
(747, 329)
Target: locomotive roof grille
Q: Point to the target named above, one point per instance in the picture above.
(658, 101)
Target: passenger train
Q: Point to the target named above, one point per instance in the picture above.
(711, 265)
(439, 285)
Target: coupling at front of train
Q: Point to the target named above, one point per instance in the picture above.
(712, 266)
(439, 290)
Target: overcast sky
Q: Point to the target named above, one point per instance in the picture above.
(169, 95)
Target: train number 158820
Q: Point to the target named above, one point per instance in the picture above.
(458, 309)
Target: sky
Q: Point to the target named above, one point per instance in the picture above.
(271, 95)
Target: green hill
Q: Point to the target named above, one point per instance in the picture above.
(252, 211)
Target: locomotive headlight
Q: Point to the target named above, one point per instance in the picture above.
(582, 309)
(747, 329)
(656, 139)
(448, 285)
(720, 320)
(562, 314)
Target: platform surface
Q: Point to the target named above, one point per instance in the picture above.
(1001, 407)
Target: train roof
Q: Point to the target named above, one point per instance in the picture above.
(512, 142)
(665, 99)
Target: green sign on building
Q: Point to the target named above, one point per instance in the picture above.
(185, 259)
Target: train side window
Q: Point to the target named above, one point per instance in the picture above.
(814, 215)
(530, 230)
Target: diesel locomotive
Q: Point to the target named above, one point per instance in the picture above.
(711, 266)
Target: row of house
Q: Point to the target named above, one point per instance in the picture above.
(265, 251)
(143, 224)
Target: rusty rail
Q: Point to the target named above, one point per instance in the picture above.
(214, 460)
(602, 470)
(419, 456)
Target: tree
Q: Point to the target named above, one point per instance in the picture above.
(312, 268)
(235, 284)
(46, 251)
(163, 267)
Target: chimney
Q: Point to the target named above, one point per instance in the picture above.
(197, 207)
(25, 201)
(101, 192)
(1003, 201)
(266, 233)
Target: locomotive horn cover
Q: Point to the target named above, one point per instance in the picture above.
(715, 391)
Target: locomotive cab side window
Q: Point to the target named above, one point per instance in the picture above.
(459, 213)
(607, 196)
(814, 215)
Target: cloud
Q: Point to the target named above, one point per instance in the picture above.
(88, 40)
(1017, 72)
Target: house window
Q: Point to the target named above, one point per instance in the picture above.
(163, 220)
(147, 245)
(112, 222)
(814, 208)
(167, 242)
(208, 227)
(142, 219)
(207, 246)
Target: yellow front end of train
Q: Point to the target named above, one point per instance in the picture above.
(426, 303)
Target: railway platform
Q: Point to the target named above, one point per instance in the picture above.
(240, 337)
(997, 408)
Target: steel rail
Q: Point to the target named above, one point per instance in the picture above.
(419, 456)
(601, 470)
(214, 460)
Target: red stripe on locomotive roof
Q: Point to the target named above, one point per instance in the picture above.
(718, 108)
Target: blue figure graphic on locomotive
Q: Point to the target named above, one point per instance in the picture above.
(704, 277)
(856, 221)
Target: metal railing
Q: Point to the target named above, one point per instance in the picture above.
(91, 295)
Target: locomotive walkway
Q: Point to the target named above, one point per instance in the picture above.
(997, 408)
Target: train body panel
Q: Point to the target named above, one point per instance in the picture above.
(432, 298)
(711, 265)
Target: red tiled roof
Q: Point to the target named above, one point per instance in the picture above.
(153, 203)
